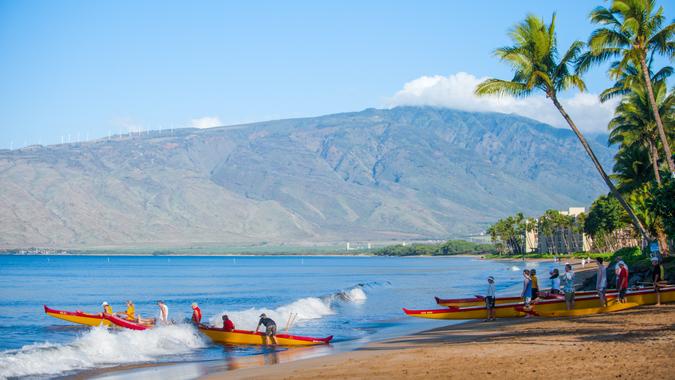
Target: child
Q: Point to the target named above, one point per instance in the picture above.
(490, 299)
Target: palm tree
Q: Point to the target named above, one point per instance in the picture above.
(534, 58)
(633, 32)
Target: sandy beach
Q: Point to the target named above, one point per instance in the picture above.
(630, 344)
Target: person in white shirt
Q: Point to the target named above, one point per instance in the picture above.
(601, 282)
(490, 298)
(163, 312)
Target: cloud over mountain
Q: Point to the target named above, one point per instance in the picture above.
(456, 91)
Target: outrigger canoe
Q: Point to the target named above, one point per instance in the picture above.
(480, 300)
(251, 337)
(553, 307)
(613, 304)
(78, 317)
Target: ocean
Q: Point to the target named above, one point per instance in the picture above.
(356, 299)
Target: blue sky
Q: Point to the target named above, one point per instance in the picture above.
(91, 67)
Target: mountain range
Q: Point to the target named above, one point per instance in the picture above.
(379, 174)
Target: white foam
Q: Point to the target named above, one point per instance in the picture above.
(515, 268)
(305, 308)
(99, 347)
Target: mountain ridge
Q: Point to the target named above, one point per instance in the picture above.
(376, 174)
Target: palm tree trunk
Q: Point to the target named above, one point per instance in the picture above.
(654, 156)
(612, 189)
(657, 117)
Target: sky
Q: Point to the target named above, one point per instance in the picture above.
(76, 70)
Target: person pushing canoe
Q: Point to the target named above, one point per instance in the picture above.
(196, 314)
(270, 328)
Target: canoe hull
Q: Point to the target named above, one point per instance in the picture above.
(77, 317)
(253, 338)
(124, 323)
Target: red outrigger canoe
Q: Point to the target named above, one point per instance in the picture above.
(125, 323)
(77, 316)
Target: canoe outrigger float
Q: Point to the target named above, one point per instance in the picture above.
(257, 338)
(583, 305)
(480, 300)
(78, 317)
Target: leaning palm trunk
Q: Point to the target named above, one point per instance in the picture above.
(598, 166)
(657, 116)
(654, 157)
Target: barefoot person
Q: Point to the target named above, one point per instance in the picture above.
(270, 328)
(601, 281)
(568, 286)
(196, 314)
(490, 298)
(622, 282)
(535, 284)
(658, 278)
(527, 288)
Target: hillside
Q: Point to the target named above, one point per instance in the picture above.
(406, 173)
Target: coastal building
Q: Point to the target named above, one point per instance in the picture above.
(563, 238)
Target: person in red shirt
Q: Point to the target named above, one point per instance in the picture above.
(228, 325)
(196, 314)
(623, 282)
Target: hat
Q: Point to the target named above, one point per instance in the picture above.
(490, 278)
(263, 315)
(104, 304)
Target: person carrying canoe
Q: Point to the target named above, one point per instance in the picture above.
(490, 298)
(107, 309)
(622, 282)
(658, 278)
(568, 286)
(228, 325)
(527, 288)
(270, 328)
(130, 313)
(535, 284)
(196, 314)
(601, 281)
(163, 312)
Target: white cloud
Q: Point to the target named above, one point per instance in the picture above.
(456, 91)
(206, 122)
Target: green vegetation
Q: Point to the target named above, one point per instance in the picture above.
(632, 35)
(450, 247)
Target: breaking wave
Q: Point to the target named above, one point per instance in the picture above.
(306, 308)
(99, 347)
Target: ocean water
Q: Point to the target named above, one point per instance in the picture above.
(355, 299)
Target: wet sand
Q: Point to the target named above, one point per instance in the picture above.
(635, 343)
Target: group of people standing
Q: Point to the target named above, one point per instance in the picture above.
(530, 290)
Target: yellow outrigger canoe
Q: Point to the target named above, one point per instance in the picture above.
(584, 305)
(79, 317)
(257, 338)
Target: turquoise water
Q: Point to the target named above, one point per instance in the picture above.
(356, 299)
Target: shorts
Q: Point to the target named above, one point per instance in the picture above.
(490, 302)
(569, 296)
(271, 330)
(622, 293)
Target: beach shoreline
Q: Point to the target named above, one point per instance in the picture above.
(625, 344)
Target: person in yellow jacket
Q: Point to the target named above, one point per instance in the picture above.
(130, 314)
(107, 309)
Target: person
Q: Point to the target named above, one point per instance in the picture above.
(583, 263)
(535, 284)
(568, 287)
(130, 313)
(622, 282)
(228, 325)
(527, 288)
(658, 278)
(107, 309)
(617, 269)
(555, 281)
(196, 314)
(490, 298)
(163, 312)
(270, 328)
(601, 281)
